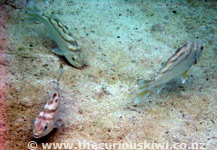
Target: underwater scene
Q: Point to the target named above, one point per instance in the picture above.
(108, 74)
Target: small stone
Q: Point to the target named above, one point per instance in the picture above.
(26, 102)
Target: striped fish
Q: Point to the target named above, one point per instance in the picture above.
(177, 65)
(48, 118)
(67, 45)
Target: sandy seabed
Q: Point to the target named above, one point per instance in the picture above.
(122, 41)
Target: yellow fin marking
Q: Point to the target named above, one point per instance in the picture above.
(185, 74)
(143, 93)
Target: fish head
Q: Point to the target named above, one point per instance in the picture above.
(42, 127)
(75, 58)
(198, 51)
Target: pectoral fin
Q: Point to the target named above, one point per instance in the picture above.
(59, 124)
(57, 51)
(50, 36)
(184, 76)
(160, 88)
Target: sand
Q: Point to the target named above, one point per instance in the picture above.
(122, 41)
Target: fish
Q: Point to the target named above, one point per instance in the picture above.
(48, 118)
(57, 31)
(177, 65)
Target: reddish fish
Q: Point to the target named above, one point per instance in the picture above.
(48, 118)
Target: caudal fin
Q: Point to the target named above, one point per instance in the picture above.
(143, 90)
(33, 13)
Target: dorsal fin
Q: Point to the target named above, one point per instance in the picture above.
(53, 16)
(163, 64)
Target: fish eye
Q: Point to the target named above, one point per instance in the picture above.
(73, 58)
(202, 48)
(45, 127)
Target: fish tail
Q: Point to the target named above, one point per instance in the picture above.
(59, 76)
(60, 72)
(34, 13)
(143, 90)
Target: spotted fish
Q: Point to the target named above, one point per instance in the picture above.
(177, 65)
(67, 45)
(48, 118)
